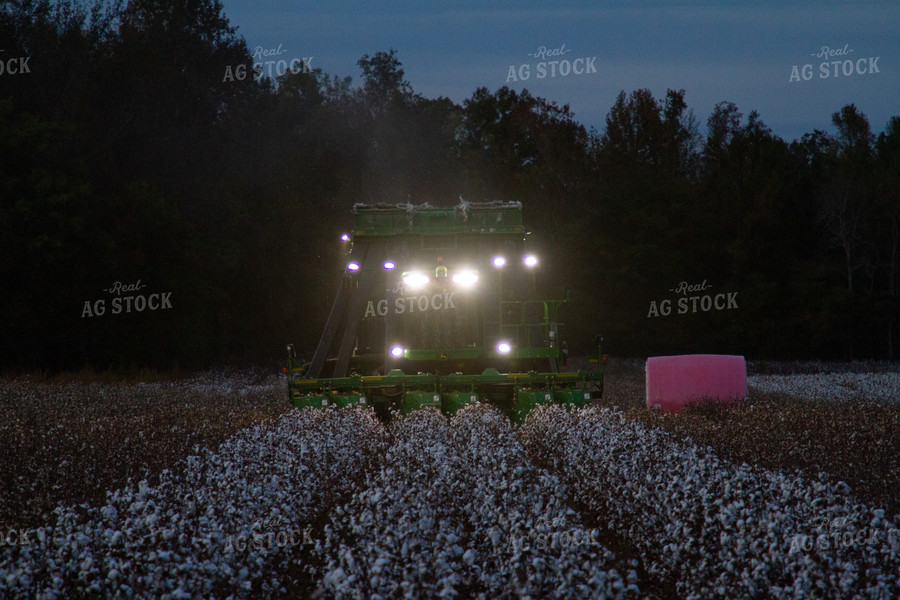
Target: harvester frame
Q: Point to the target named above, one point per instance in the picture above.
(453, 341)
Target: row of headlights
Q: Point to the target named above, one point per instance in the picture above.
(502, 347)
(465, 278)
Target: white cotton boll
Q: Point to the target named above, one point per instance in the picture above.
(11, 578)
(469, 557)
(86, 564)
(404, 549)
(380, 565)
(495, 535)
(447, 590)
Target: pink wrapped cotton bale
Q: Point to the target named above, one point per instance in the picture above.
(675, 381)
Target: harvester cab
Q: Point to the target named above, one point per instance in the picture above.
(436, 307)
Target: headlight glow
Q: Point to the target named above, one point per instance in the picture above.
(466, 278)
(498, 261)
(530, 260)
(397, 351)
(415, 280)
(504, 347)
(354, 266)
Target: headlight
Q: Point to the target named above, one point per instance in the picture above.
(397, 351)
(504, 347)
(465, 278)
(415, 280)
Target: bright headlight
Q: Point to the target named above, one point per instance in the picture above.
(397, 351)
(504, 347)
(466, 278)
(415, 280)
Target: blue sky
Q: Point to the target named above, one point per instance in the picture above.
(743, 52)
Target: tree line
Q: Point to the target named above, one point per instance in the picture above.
(130, 157)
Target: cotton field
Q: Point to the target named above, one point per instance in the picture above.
(712, 529)
(213, 487)
(832, 386)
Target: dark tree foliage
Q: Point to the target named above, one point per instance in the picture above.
(131, 152)
(887, 228)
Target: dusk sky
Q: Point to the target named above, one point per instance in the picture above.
(743, 52)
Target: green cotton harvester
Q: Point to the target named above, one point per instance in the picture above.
(436, 307)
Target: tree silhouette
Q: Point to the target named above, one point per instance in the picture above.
(129, 152)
